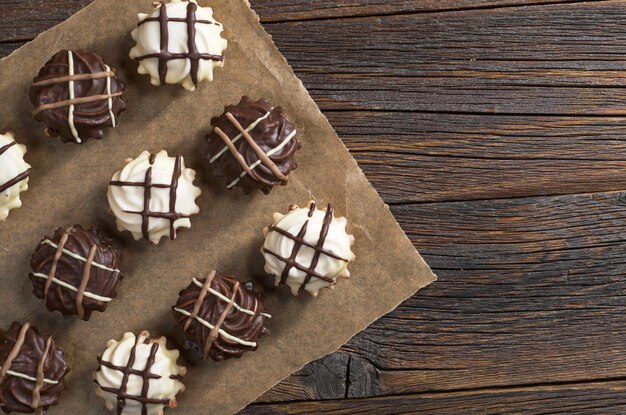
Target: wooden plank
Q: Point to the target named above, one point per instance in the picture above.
(530, 291)
(443, 157)
(582, 399)
(25, 19)
(284, 10)
(527, 60)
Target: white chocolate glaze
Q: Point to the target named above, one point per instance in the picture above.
(164, 389)
(12, 165)
(337, 243)
(208, 40)
(128, 201)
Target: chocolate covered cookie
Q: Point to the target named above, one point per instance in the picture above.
(307, 248)
(14, 174)
(77, 96)
(220, 316)
(252, 146)
(138, 375)
(179, 43)
(75, 271)
(32, 375)
(153, 195)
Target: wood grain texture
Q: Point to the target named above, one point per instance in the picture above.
(593, 398)
(495, 128)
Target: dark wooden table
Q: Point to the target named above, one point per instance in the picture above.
(496, 131)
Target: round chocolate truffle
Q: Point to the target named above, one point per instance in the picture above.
(153, 195)
(307, 249)
(33, 371)
(77, 96)
(75, 271)
(252, 146)
(14, 173)
(179, 43)
(138, 375)
(220, 316)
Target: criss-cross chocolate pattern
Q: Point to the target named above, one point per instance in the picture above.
(40, 379)
(145, 375)
(81, 290)
(147, 184)
(73, 100)
(164, 55)
(264, 158)
(299, 242)
(16, 179)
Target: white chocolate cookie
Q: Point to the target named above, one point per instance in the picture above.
(126, 363)
(153, 195)
(14, 172)
(179, 43)
(307, 249)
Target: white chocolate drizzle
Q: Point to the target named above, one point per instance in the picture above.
(32, 379)
(226, 299)
(258, 162)
(238, 137)
(110, 99)
(70, 115)
(71, 287)
(220, 331)
(78, 257)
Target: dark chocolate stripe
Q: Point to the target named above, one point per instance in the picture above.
(14, 181)
(328, 218)
(3, 149)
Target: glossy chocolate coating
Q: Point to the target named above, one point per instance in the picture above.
(89, 119)
(18, 393)
(70, 270)
(236, 323)
(268, 134)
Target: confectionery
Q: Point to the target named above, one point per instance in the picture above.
(307, 249)
(179, 43)
(32, 375)
(75, 271)
(76, 95)
(221, 317)
(138, 375)
(252, 146)
(14, 174)
(153, 195)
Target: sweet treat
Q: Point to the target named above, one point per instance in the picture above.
(77, 96)
(220, 316)
(252, 146)
(75, 271)
(14, 173)
(307, 249)
(32, 375)
(178, 43)
(139, 375)
(153, 195)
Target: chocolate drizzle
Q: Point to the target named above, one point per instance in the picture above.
(257, 156)
(164, 55)
(77, 95)
(299, 242)
(33, 370)
(75, 271)
(22, 176)
(147, 184)
(221, 317)
(145, 375)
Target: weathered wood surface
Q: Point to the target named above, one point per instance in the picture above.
(495, 129)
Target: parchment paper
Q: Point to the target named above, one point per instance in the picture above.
(68, 185)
